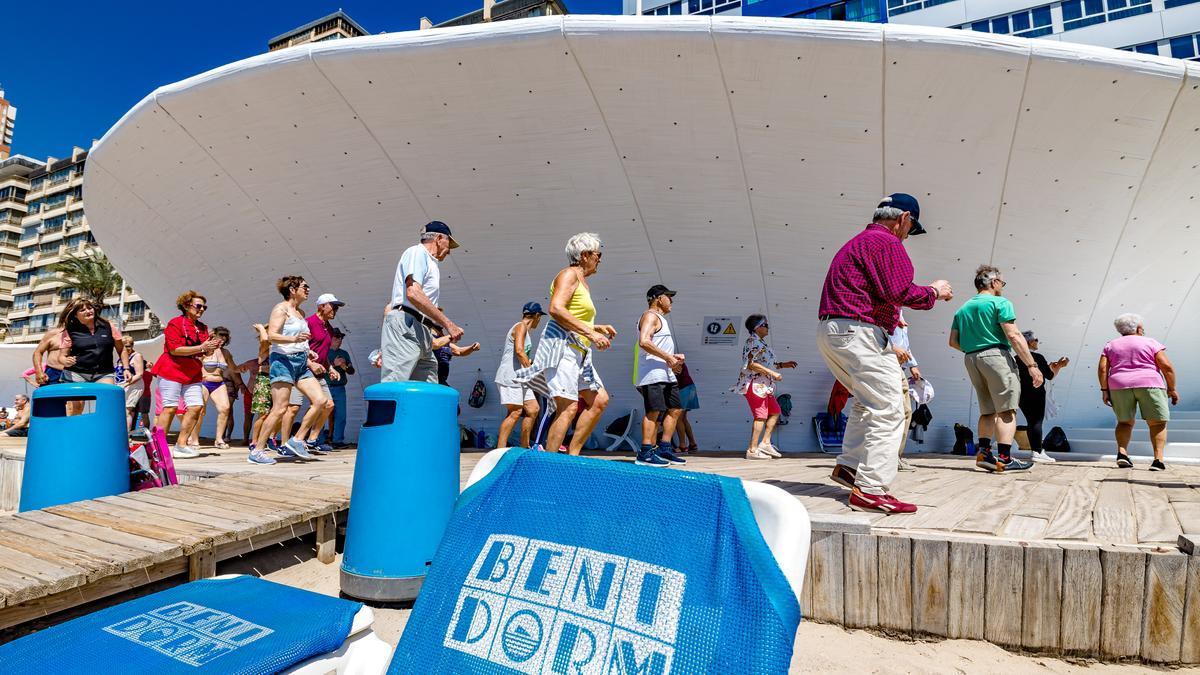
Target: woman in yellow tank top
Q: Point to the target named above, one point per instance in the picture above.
(567, 374)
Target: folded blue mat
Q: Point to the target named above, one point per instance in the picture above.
(239, 625)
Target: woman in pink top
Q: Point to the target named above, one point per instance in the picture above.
(1135, 373)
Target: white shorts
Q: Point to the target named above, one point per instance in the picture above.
(573, 374)
(171, 393)
(515, 395)
(298, 397)
(133, 393)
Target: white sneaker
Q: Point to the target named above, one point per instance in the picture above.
(1040, 456)
(186, 452)
(904, 465)
(770, 450)
(757, 453)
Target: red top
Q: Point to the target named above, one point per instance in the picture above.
(870, 278)
(319, 338)
(181, 332)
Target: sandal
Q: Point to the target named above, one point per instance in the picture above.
(221, 445)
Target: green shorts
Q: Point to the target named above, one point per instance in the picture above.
(993, 373)
(1152, 401)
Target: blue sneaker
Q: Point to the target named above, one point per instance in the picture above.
(258, 457)
(664, 451)
(648, 456)
(1014, 464)
(314, 447)
(285, 452)
(318, 445)
(984, 459)
(297, 447)
(272, 445)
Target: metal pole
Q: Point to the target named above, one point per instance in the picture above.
(121, 308)
(638, 4)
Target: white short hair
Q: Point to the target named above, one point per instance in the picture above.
(887, 213)
(584, 241)
(1127, 324)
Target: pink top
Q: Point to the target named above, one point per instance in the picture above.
(1131, 362)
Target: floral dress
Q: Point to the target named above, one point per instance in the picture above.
(757, 351)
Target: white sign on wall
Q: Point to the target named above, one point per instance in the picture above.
(720, 330)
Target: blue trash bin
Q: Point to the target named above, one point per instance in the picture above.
(405, 485)
(68, 459)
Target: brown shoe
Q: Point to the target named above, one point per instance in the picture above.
(843, 475)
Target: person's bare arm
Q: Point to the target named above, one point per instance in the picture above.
(954, 343)
(1168, 370)
(1058, 365)
(564, 287)
(39, 352)
(22, 421)
(464, 351)
(122, 353)
(1024, 356)
(648, 325)
(519, 335)
(1102, 375)
(416, 295)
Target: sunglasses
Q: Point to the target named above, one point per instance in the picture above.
(598, 254)
(199, 307)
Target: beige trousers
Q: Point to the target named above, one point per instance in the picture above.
(858, 356)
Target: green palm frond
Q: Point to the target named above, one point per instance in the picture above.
(91, 275)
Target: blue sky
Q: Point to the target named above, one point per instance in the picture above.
(73, 67)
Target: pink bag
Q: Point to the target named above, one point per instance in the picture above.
(160, 457)
(150, 464)
(141, 475)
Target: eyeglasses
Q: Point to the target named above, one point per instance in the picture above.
(198, 307)
(598, 254)
(1003, 283)
(305, 286)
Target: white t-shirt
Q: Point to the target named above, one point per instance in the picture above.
(423, 268)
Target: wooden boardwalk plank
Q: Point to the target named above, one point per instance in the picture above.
(1156, 521)
(1121, 602)
(1113, 517)
(861, 565)
(1073, 519)
(1166, 590)
(1005, 590)
(895, 583)
(1190, 644)
(990, 519)
(1042, 600)
(155, 550)
(1188, 514)
(967, 590)
(1024, 527)
(826, 576)
(1081, 599)
(1041, 502)
(930, 585)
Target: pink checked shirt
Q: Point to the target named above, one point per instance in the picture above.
(871, 278)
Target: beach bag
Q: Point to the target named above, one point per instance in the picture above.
(1056, 441)
(785, 408)
(964, 440)
(478, 395)
(141, 476)
(159, 453)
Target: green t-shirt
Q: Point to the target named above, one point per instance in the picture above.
(979, 322)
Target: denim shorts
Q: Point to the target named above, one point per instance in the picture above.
(289, 368)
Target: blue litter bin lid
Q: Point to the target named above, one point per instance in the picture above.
(386, 391)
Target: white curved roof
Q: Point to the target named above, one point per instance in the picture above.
(728, 158)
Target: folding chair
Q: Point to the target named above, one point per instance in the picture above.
(829, 432)
(624, 437)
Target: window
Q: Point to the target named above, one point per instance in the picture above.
(1148, 48)
(135, 310)
(23, 278)
(1080, 13)
(22, 299)
(673, 8)
(27, 253)
(49, 248)
(37, 183)
(850, 10)
(1178, 3)
(1186, 47)
(66, 294)
(1029, 23)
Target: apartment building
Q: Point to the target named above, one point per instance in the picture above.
(1162, 27)
(336, 26)
(44, 212)
(502, 10)
(8, 120)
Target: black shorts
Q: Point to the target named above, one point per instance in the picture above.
(660, 396)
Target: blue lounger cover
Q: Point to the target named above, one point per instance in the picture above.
(558, 564)
(239, 625)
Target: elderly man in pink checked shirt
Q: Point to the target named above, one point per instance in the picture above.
(869, 280)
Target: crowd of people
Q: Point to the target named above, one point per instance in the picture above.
(862, 336)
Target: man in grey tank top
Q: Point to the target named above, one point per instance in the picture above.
(654, 366)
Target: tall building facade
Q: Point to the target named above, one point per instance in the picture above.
(502, 10)
(1163, 27)
(42, 222)
(8, 120)
(336, 26)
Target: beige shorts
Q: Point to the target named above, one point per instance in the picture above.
(993, 372)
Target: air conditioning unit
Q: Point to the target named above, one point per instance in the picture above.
(30, 305)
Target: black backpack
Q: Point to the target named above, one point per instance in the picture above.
(478, 395)
(964, 440)
(1056, 441)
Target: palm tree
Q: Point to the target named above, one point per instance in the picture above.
(92, 276)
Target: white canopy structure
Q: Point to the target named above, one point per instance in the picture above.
(727, 158)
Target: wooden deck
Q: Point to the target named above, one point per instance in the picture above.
(1085, 502)
(64, 556)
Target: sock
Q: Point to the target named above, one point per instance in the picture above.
(984, 444)
(1004, 450)
(646, 449)
(664, 445)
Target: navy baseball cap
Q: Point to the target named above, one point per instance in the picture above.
(532, 308)
(657, 290)
(439, 227)
(906, 202)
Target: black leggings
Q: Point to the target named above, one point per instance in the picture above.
(1035, 413)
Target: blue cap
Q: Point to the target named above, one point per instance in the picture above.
(532, 308)
(906, 202)
(438, 227)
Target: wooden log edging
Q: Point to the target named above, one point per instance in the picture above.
(1062, 598)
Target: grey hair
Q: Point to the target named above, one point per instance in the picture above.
(23, 397)
(1127, 324)
(984, 276)
(887, 213)
(584, 241)
(429, 236)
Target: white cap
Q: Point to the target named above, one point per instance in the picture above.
(329, 299)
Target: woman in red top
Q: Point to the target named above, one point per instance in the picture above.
(185, 342)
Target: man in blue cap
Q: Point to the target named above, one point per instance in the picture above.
(517, 398)
(407, 343)
(869, 280)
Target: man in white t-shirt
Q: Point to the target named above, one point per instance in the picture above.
(407, 344)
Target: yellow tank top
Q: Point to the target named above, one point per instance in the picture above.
(581, 307)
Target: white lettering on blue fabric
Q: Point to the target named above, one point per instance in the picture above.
(542, 607)
(188, 633)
